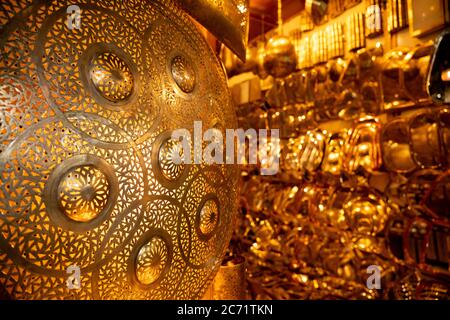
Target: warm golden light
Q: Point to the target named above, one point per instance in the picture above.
(87, 164)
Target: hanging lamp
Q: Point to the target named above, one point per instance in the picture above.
(261, 52)
(280, 59)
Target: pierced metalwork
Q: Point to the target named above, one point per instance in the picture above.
(81, 189)
(112, 77)
(183, 74)
(83, 193)
(208, 217)
(167, 172)
(151, 258)
(109, 74)
(86, 172)
(171, 171)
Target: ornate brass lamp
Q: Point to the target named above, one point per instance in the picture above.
(87, 178)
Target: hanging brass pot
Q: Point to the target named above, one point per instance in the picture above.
(363, 149)
(280, 59)
(393, 73)
(425, 140)
(333, 159)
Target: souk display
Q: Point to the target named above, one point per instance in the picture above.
(364, 174)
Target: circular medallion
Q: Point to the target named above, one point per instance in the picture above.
(207, 217)
(170, 172)
(170, 169)
(81, 192)
(150, 259)
(183, 73)
(112, 77)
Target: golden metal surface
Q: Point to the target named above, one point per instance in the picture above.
(317, 9)
(228, 20)
(312, 232)
(229, 283)
(367, 215)
(363, 149)
(280, 59)
(425, 140)
(356, 37)
(87, 177)
(395, 147)
(334, 156)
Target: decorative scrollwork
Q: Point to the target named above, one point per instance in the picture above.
(83, 193)
(169, 168)
(151, 260)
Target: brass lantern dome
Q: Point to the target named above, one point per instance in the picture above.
(91, 92)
